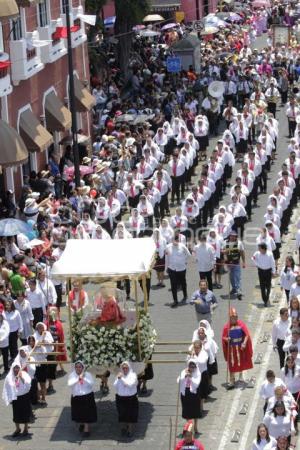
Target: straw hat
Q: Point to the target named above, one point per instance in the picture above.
(29, 201)
(86, 160)
(85, 190)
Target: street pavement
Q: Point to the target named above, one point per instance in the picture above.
(53, 428)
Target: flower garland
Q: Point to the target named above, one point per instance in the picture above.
(109, 346)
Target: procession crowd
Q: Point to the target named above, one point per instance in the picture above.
(149, 174)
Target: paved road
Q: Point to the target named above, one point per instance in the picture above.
(54, 430)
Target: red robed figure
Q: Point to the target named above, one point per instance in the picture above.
(239, 359)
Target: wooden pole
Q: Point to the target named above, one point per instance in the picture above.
(170, 436)
(145, 292)
(70, 322)
(138, 331)
(177, 412)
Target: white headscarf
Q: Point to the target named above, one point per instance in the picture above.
(209, 331)
(131, 377)
(24, 363)
(160, 242)
(10, 393)
(195, 378)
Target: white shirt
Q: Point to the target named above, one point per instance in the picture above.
(205, 257)
(81, 387)
(125, 386)
(264, 445)
(14, 321)
(287, 278)
(278, 426)
(36, 299)
(264, 261)
(292, 382)
(267, 389)
(177, 257)
(295, 290)
(280, 329)
(47, 289)
(4, 333)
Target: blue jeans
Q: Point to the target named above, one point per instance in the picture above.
(235, 276)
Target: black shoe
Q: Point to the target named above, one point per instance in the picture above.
(174, 305)
(50, 390)
(184, 300)
(16, 433)
(25, 433)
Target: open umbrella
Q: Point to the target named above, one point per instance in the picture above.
(125, 118)
(84, 170)
(12, 227)
(209, 30)
(168, 26)
(233, 17)
(153, 18)
(149, 33)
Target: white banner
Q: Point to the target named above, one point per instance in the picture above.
(87, 18)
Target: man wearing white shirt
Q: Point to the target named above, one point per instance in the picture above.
(37, 301)
(265, 263)
(177, 256)
(280, 329)
(177, 170)
(162, 186)
(239, 215)
(46, 286)
(206, 260)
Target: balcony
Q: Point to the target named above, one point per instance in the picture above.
(56, 48)
(78, 37)
(5, 80)
(25, 60)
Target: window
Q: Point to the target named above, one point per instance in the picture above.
(16, 29)
(43, 14)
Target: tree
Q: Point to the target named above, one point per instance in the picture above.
(128, 14)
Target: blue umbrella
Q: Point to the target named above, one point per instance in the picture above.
(12, 227)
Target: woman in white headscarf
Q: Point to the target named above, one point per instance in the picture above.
(204, 334)
(80, 233)
(83, 405)
(159, 267)
(103, 214)
(161, 139)
(136, 223)
(100, 233)
(201, 133)
(24, 360)
(126, 398)
(189, 381)
(198, 352)
(121, 232)
(166, 231)
(16, 391)
(43, 341)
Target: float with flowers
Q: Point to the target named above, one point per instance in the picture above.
(108, 329)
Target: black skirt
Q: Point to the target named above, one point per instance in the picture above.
(41, 373)
(213, 368)
(242, 146)
(276, 252)
(51, 368)
(190, 405)
(22, 409)
(203, 389)
(159, 264)
(83, 408)
(203, 142)
(128, 408)
(34, 391)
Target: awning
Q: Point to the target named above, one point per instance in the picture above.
(58, 117)
(8, 9)
(27, 3)
(35, 136)
(13, 149)
(84, 101)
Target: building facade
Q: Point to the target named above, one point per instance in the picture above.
(178, 10)
(34, 83)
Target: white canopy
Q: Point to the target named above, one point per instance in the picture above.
(96, 258)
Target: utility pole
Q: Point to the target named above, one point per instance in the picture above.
(72, 97)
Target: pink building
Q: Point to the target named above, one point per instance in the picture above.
(174, 9)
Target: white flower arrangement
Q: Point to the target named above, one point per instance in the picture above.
(104, 346)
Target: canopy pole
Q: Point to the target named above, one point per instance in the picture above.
(138, 331)
(70, 321)
(145, 292)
